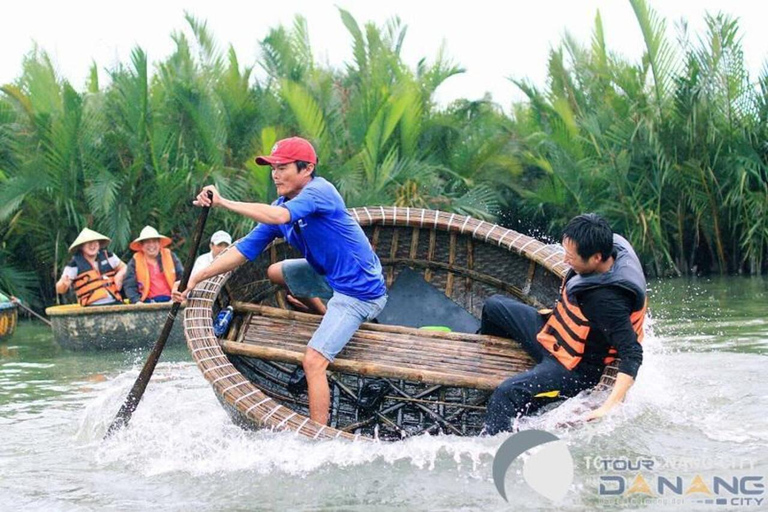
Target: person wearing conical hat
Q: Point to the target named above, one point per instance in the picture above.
(95, 273)
(153, 269)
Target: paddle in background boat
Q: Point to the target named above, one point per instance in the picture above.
(137, 391)
(26, 308)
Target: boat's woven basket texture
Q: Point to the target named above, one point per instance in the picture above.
(468, 259)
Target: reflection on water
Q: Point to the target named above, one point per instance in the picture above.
(701, 394)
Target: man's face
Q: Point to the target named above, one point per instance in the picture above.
(289, 180)
(577, 263)
(218, 248)
(151, 247)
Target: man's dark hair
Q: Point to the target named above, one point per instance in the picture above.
(591, 234)
(301, 165)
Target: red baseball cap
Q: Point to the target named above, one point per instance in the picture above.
(289, 150)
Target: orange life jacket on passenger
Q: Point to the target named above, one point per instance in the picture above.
(92, 285)
(142, 271)
(565, 333)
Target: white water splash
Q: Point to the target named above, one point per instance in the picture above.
(180, 433)
(179, 426)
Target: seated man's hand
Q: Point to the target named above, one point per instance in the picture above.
(597, 413)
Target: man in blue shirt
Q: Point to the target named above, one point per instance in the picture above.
(339, 263)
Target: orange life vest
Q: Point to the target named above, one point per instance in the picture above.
(92, 285)
(565, 333)
(142, 271)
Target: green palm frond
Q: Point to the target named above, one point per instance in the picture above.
(599, 48)
(433, 76)
(209, 53)
(659, 53)
(15, 280)
(308, 114)
(287, 54)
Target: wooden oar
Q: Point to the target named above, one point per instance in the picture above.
(18, 302)
(137, 391)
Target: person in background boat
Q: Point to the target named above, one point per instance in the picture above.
(220, 240)
(339, 263)
(599, 317)
(95, 274)
(5, 298)
(153, 270)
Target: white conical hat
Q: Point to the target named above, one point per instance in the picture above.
(88, 235)
(148, 233)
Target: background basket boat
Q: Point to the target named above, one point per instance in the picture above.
(9, 314)
(434, 381)
(116, 327)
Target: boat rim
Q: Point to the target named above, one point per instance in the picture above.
(77, 309)
(249, 401)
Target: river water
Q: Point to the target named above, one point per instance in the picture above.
(698, 408)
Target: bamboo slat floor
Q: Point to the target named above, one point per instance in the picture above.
(462, 360)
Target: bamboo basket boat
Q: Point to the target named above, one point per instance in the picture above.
(437, 381)
(117, 327)
(9, 314)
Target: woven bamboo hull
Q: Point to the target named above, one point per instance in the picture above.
(398, 416)
(8, 318)
(439, 382)
(111, 327)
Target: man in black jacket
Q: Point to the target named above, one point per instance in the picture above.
(599, 317)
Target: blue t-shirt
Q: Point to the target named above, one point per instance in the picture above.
(328, 237)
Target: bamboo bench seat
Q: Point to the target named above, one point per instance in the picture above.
(450, 359)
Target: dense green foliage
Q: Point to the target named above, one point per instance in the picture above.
(672, 150)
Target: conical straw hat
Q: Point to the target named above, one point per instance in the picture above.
(88, 235)
(148, 233)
